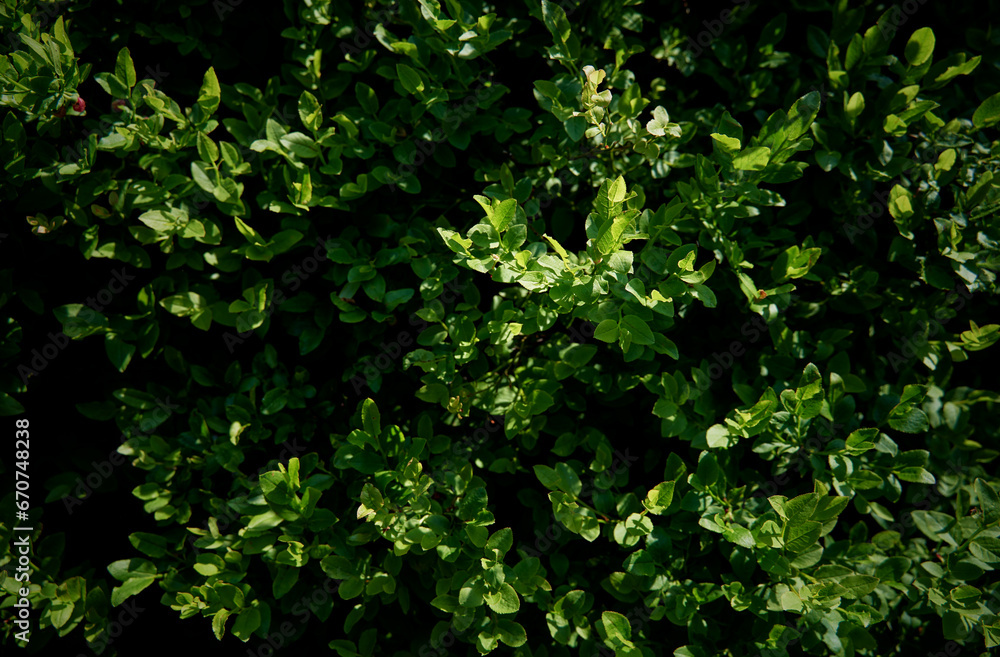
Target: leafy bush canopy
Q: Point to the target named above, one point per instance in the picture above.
(598, 327)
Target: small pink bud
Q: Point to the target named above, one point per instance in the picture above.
(79, 105)
(116, 106)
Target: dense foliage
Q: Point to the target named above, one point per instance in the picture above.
(548, 328)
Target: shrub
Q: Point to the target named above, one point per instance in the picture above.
(550, 325)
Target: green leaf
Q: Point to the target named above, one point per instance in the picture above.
(638, 525)
(556, 22)
(134, 586)
(900, 203)
(660, 126)
(351, 588)
(616, 191)
(827, 160)
(371, 418)
(659, 498)
(610, 234)
(920, 47)
(210, 93)
(209, 564)
(934, 525)
(157, 220)
(740, 535)
(246, 624)
(617, 627)
(9, 405)
(80, 321)
(125, 69)
(503, 214)
(501, 540)
(641, 334)
(916, 475)
(569, 481)
(152, 545)
(640, 564)
(802, 114)
(858, 585)
(300, 144)
(854, 106)
(607, 331)
(284, 581)
(754, 158)
(119, 352)
(904, 416)
(861, 440)
(338, 567)
(576, 127)
(505, 601)
(409, 78)
(801, 508)
(549, 477)
(60, 613)
(135, 398)
(988, 112)
(717, 436)
(101, 411)
(729, 144)
(511, 633)
(479, 536)
(371, 501)
(310, 111)
(207, 151)
(986, 549)
(954, 627)
(219, 623)
(801, 535)
(125, 569)
(909, 420)
(989, 502)
(366, 98)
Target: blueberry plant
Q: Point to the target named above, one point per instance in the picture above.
(545, 328)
